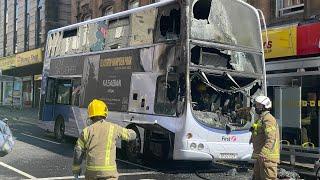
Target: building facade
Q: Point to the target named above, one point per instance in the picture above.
(88, 9)
(292, 51)
(23, 28)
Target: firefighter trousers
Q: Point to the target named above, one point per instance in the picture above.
(264, 170)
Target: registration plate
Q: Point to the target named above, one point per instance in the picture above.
(228, 155)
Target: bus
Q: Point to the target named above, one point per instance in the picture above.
(177, 72)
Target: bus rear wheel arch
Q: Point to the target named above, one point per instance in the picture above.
(132, 149)
(59, 128)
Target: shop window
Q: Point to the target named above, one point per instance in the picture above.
(50, 91)
(133, 4)
(166, 95)
(64, 92)
(27, 93)
(289, 7)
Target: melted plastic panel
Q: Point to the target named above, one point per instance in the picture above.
(225, 21)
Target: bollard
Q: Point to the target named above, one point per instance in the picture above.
(292, 157)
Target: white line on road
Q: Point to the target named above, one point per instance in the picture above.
(138, 165)
(120, 174)
(17, 171)
(40, 138)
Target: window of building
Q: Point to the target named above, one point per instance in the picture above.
(86, 18)
(16, 15)
(166, 95)
(27, 25)
(133, 4)
(107, 11)
(289, 7)
(5, 27)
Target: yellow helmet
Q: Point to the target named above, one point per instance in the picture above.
(97, 108)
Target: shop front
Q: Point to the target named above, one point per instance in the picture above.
(26, 68)
(293, 73)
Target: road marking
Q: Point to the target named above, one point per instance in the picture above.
(17, 171)
(40, 138)
(138, 165)
(22, 121)
(120, 174)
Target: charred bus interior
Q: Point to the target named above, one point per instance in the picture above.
(222, 85)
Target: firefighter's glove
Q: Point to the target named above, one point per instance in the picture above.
(251, 129)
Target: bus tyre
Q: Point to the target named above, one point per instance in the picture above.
(132, 149)
(59, 129)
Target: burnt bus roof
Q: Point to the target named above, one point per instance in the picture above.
(116, 15)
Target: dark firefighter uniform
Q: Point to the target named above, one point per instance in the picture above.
(98, 144)
(266, 147)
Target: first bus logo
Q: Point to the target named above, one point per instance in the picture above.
(229, 138)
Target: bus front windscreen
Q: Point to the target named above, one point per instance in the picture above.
(225, 21)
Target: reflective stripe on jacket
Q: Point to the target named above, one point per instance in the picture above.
(265, 138)
(98, 144)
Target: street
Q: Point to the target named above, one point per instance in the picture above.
(37, 155)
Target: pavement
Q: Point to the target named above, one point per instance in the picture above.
(36, 155)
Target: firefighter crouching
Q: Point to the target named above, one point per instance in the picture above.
(97, 143)
(265, 140)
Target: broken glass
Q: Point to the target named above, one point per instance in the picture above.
(215, 105)
(142, 27)
(226, 21)
(226, 59)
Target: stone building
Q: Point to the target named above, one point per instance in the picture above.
(23, 28)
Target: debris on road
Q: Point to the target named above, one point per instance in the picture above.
(232, 172)
(284, 174)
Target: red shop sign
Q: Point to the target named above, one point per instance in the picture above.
(308, 39)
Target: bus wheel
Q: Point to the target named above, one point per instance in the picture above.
(59, 129)
(132, 149)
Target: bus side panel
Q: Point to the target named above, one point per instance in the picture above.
(47, 112)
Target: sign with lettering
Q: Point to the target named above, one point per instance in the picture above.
(115, 70)
(282, 42)
(7, 63)
(29, 57)
(66, 66)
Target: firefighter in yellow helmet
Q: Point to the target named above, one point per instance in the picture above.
(265, 140)
(97, 143)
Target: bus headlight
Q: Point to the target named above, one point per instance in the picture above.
(200, 147)
(193, 146)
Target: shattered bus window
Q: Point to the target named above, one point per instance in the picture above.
(218, 103)
(211, 21)
(142, 27)
(168, 23)
(166, 95)
(118, 33)
(225, 59)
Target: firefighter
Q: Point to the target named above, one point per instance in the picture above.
(97, 143)
(265, 140)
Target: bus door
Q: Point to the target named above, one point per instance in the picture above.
(62, 103)
(49, 100)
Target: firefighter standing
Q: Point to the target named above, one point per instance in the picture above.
(265, 139)
(97, 144)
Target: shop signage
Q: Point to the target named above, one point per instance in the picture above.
(308, 39)
(22, 59)
(29, 57)
(281, 42)
(7, 62)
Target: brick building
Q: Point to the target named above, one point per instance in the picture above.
(292, 54)
(89, 9)
(23, 28)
